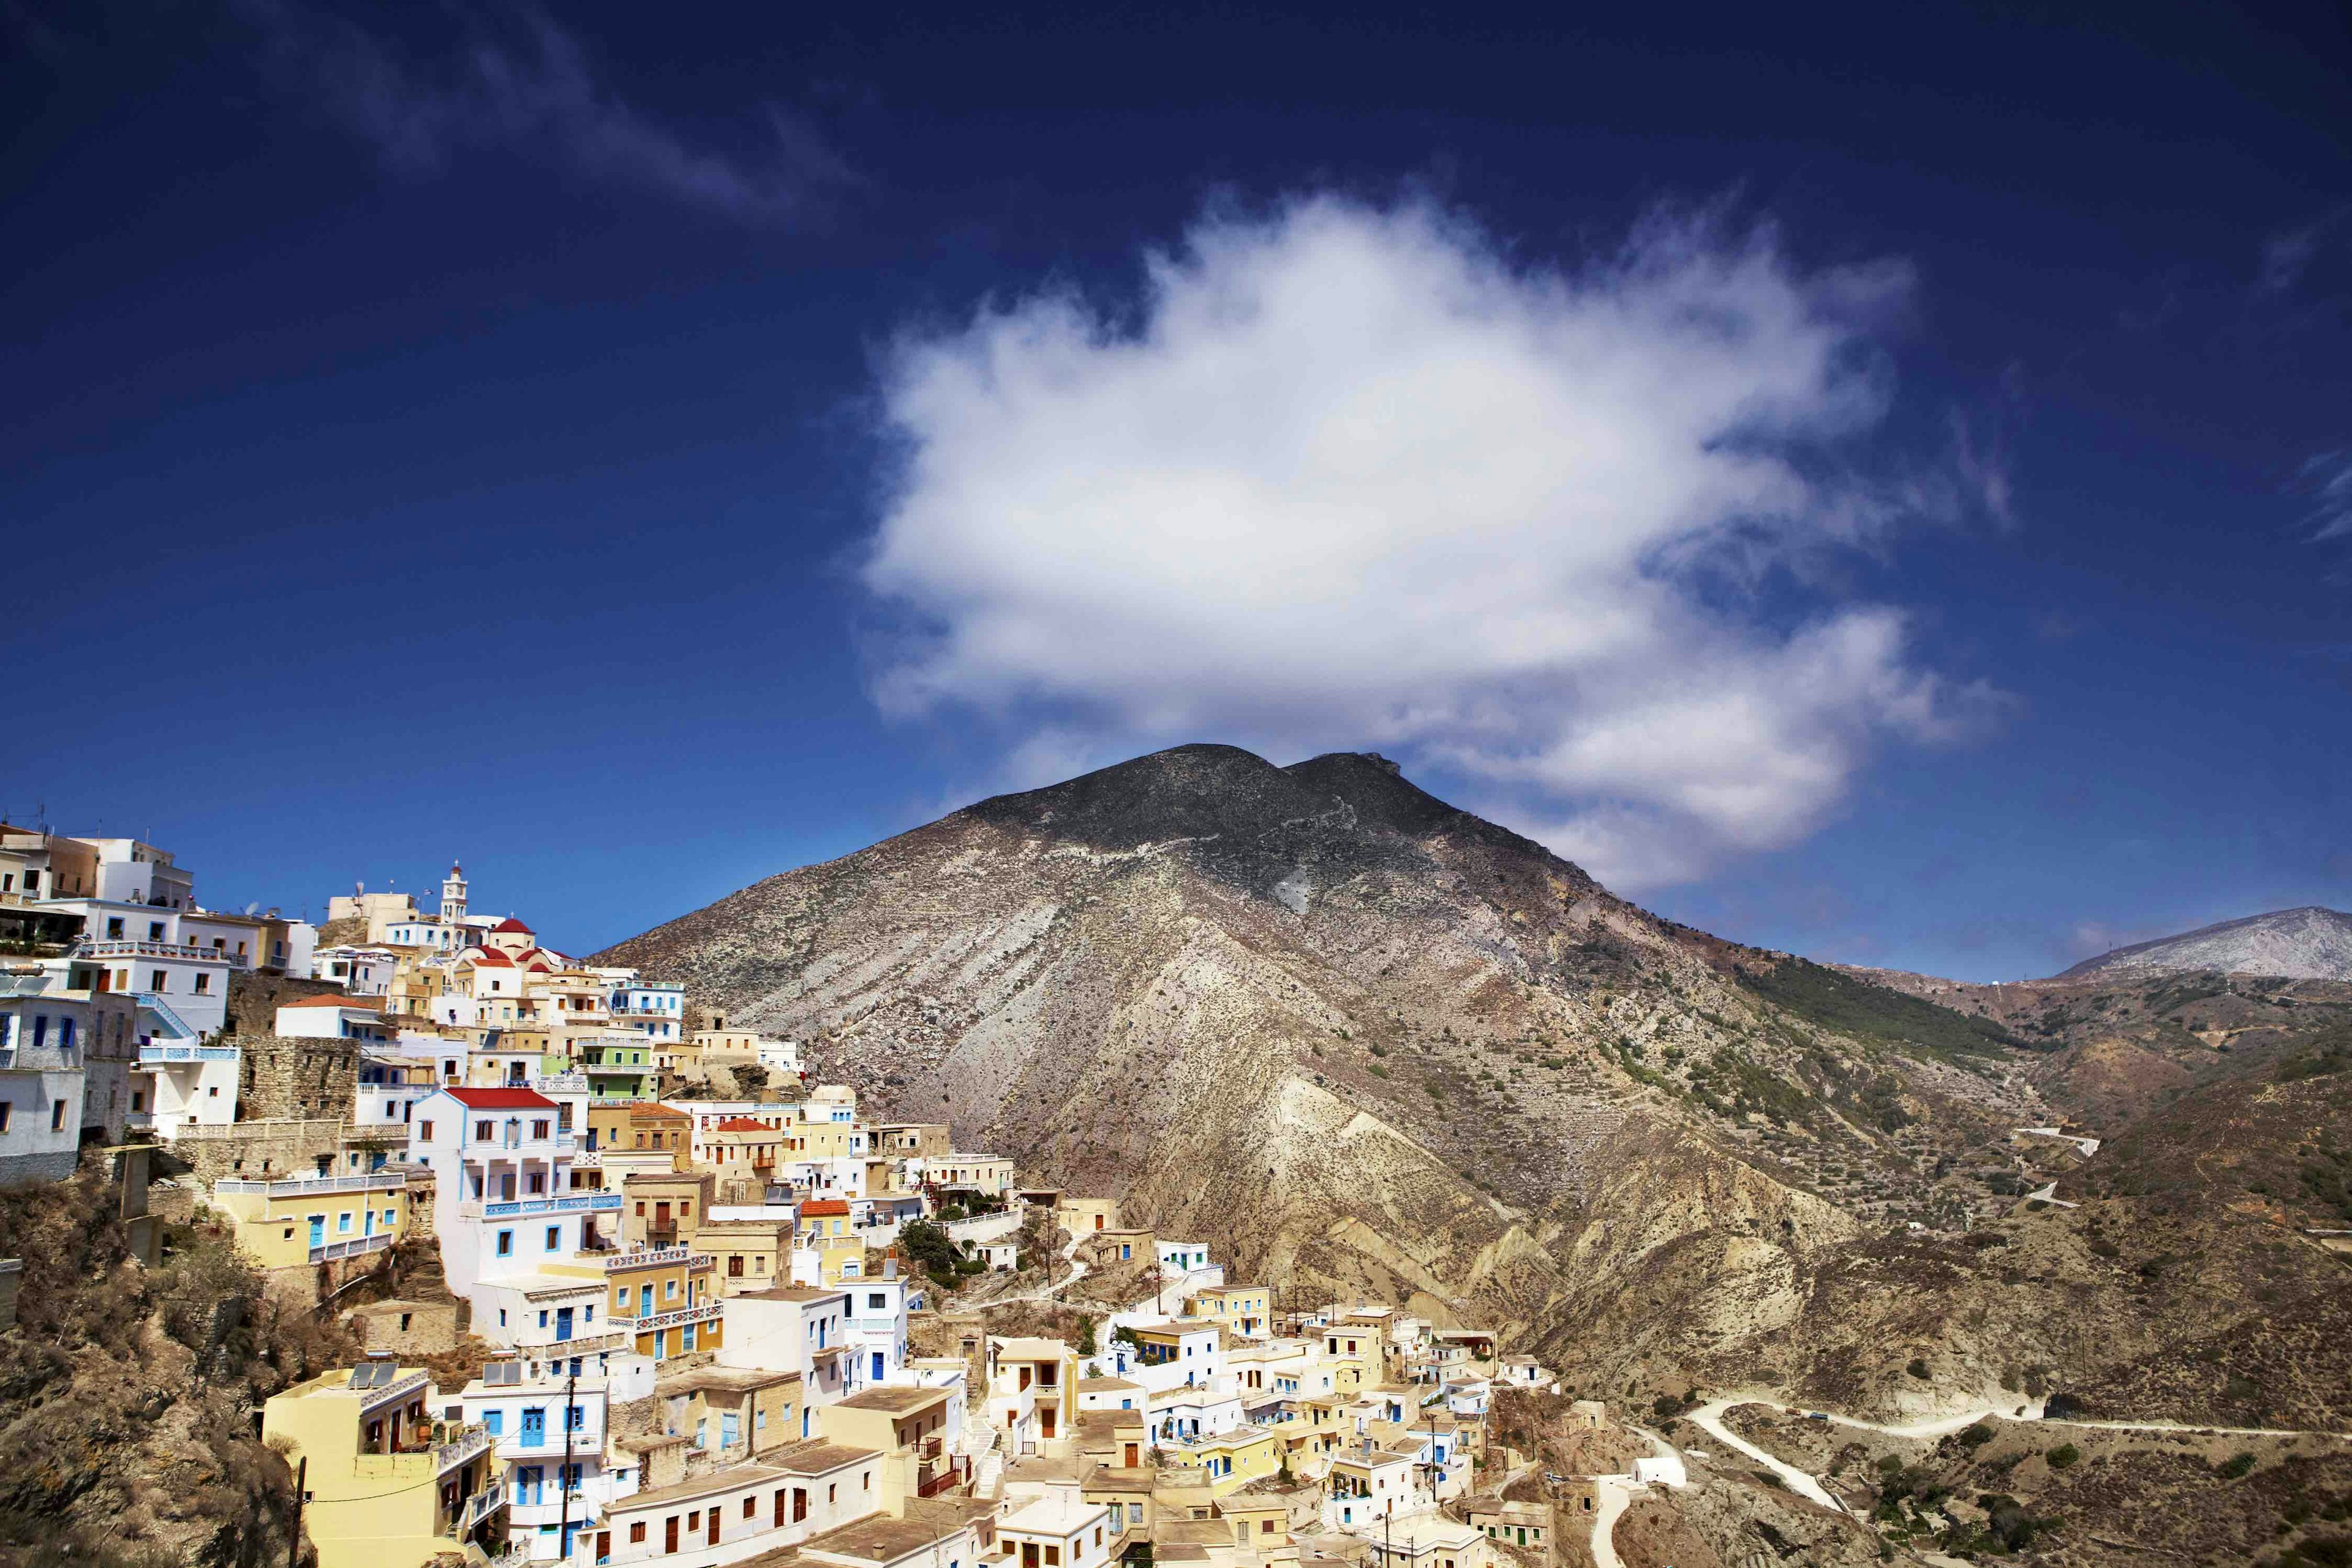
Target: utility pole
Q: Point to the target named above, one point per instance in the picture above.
(294, 1539)
(563, 1473)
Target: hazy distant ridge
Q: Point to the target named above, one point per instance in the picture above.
(2309, 943)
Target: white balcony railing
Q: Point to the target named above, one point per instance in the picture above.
(152, 1056)
(480, 1507)
(467, 1445)
(570, 1203)
(650, 1257)
(352, 1247)
(128, 947)
(709, 1311)
(393, 1393)
(298, 1186)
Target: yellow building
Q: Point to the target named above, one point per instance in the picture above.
(747, 1254)
(826, 1230)
(744, 1147)
(1260, 1522)
(298, 1221)
(1229, 1461)
(1084, 1216)
(1241, 1308)
(908, 1426)
(384, 1486)
(824, 1140)
(662, 1209)
(634, 1125)
(662, 1297)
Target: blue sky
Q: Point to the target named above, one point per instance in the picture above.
(1862, 483)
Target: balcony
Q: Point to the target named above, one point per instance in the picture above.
(561, 1083)
(517, 1208)
(352, 1247)
(707, 1312)
(470, 1443)
(157, 1056)
(477, 1508)
(126, 947)
(544, 1343)
(392, 1393)
(653, 1256)
(299, 1187)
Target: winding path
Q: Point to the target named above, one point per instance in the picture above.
(1048, 1292)
(1708, 1418)
(1615, 1497)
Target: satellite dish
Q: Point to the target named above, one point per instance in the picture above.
(254, 907)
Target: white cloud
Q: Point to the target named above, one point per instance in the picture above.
(1351, 476)
(2327, 477)
(516, 80)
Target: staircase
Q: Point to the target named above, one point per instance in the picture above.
(988, 1480)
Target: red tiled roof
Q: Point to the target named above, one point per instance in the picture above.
(742, 1124)
(512, 924)
(824, 1206)
(488, 956)
(502, 1098)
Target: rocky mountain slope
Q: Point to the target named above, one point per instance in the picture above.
(1359, 1039)
(130, 1396)
(2309, 943)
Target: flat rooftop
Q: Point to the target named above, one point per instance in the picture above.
(896, 1400)
(878, 1537)
(1058, 1513)
(733, 1379)
(717, 1481)
(820, 1458)
(1030, 1350)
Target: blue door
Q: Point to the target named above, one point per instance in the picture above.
(318, 1230)
(645, 1300)
(563, 1324)
(534, 1431)
(527, 1479)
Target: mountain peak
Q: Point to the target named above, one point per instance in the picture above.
(2311, 943)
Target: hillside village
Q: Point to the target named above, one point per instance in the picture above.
(629, 1288)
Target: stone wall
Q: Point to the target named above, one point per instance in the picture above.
(257, 1150)
(53, 1167)
(254, 999)
(407, 1327)
(278, 1077)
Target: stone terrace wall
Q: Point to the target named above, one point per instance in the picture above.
(256, 1151)
(280, 1077)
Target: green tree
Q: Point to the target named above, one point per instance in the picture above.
(929, 1245)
